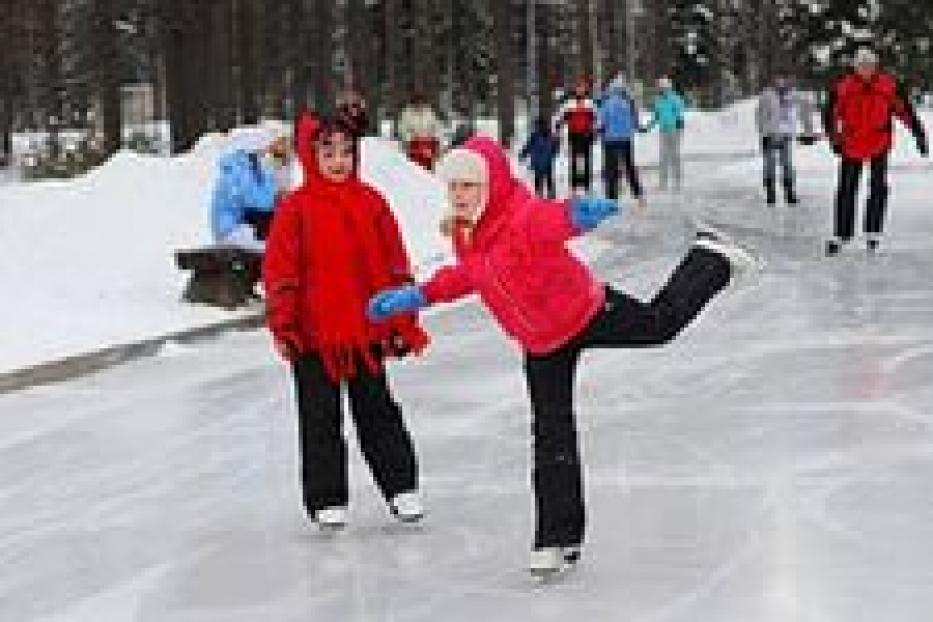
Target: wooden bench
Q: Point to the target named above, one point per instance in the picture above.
(221, 276)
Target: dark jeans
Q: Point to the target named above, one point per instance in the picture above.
(779, 151)
(624, 322)
(383, 438)
(850, 173)
(613, 152)
(581, 161)
(544, 184)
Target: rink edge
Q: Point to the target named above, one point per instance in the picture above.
(87, 363)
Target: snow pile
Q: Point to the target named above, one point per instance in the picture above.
(89, 262)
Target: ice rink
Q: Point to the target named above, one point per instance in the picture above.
(775, 464)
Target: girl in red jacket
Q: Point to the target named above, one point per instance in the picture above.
(511, 251)
(334, 243)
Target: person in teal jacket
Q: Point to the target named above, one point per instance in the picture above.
(244, 192)
(668, 117)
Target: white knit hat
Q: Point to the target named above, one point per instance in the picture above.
(865, 56)
(461, 164)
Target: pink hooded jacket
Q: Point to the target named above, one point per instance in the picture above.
(517, 261)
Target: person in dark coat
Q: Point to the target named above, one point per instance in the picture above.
(541, 150)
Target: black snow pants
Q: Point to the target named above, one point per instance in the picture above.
(850, 173)
(624, 322)
(383, 438)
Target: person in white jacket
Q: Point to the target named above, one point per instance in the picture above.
(781, 111)
(419, 129)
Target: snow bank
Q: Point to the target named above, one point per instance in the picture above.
(88, 263)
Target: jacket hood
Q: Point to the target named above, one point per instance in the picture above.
(503, 185)
(307, 128)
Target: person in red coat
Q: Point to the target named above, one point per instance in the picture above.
(334, 243)
(859, 124)
(578, 113)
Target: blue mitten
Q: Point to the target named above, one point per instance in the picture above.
(587, 212)
(391, 302)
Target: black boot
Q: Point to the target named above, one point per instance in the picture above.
(833, 248)
(770, 193)
(789, 195)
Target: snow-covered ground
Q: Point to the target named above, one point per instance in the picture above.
(89, 263)
(772, 465)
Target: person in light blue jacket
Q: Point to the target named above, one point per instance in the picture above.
(617, 122)
(668, 117)
(244, 195)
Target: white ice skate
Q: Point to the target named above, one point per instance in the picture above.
(551, 561)
(332, 519)
(746, 265)
(407, 507)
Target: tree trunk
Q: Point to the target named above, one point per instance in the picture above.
(176, 74)
(108, 75)
(424, 69)
(391, 53)
(300, 67)
(324, 56)
(246, 59)
(6, 91)
(612, 36)
(660, 54)
(505, 72)
(547, 74)
(50, 84)
(585, 39)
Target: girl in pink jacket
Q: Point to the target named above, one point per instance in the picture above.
(511, 251)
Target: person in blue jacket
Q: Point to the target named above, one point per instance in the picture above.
(668, 117)
(244, 197)
(541, 150)
(617, 122)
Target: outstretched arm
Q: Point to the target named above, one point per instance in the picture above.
(448, 284)
(905, 111)
(559, 221)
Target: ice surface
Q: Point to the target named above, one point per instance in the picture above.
(772, 465)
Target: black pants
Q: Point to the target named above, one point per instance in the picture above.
(544, 184)
(386, 444)
(624, 322)
(850, 173)
(259, 220)
(581, 161)
(613, 152)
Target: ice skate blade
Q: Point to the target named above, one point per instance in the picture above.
(330, 529)
(549, 575)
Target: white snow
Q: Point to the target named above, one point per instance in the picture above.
(89, 263)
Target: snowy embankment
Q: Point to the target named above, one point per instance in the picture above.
(89, 262)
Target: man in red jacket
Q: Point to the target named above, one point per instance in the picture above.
(579, 115)
(859, 124)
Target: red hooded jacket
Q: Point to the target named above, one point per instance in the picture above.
(860, 113)
(331, 247)
(517, 261)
